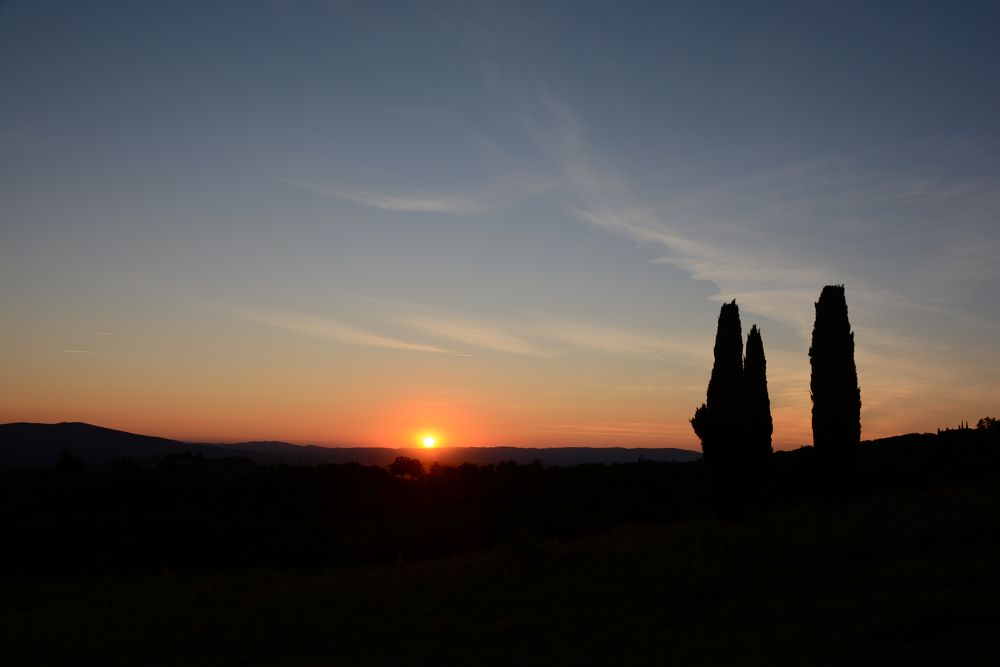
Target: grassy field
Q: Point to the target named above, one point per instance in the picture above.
(908, 577)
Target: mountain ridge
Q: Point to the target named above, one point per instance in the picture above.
(32, 445)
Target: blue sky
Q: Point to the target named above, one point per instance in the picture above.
(510, 222)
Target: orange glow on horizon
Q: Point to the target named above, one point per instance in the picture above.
(454, 420)
(408, 422)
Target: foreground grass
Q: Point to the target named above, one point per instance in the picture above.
(904, 578)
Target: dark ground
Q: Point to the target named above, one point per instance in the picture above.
(630, 564)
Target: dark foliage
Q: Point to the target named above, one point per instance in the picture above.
(756, 403)
(734, 424)
(405, 466)
(836, 397)
(898, 578)
(718, 422)
(187, 513)
(217, 562)
(701, 423)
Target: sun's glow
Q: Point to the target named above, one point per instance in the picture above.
(429, 441)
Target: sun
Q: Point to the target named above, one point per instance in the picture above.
(427, 439)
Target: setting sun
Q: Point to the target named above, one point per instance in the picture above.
(429, 441)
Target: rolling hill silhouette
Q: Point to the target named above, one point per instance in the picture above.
(29, 445)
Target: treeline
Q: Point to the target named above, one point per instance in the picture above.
(734, 424)
(189, 513)
(192, 514)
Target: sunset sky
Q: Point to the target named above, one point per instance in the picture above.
(504, 223)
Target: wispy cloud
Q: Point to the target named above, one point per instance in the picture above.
(459, 327)
(441, 323)
(650, 387)
(705, 241)
(967, 261)
(636, 429)
(772, 239)
(323, 327)
(532, 407)
(908, 243)
(623, 341)
(422, 202)
(473, 333)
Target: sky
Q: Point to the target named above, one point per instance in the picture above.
(506, 223)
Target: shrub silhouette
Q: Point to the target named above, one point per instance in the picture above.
(836, 397)
(404, 466)
(756, 403)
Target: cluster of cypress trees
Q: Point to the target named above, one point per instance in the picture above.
(734, 424)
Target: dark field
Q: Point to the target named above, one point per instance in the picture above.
(629, 564)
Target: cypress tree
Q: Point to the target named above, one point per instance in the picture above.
(758, 426)
(717, 421)
(836, 397)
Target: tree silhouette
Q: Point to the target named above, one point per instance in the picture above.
(717, 422)
(988, 425)
(836, 397)
(404, 466)
(757, 422)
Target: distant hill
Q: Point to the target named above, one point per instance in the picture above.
(27, 445)
(563, 456)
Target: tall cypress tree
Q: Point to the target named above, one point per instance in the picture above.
(757, 423)
(717, 421)
(836, 397)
